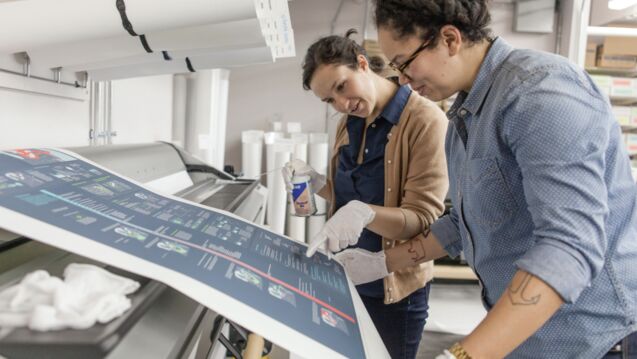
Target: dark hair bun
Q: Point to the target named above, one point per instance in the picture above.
(350, 32)
(376, 64)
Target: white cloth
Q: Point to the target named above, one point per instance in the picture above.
(88, 294)
(344, 227)
(363, 266)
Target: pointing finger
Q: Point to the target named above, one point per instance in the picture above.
(315, 243)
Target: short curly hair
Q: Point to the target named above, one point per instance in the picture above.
(427, 17)
(335, 49)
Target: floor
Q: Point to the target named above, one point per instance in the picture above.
(433, 343)
(454, 310)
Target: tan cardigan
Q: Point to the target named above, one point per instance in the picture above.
(415, 180)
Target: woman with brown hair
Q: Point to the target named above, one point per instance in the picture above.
(386, 180)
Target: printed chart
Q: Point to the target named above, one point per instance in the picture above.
(249, 264)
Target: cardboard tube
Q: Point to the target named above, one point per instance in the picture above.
(254, 347)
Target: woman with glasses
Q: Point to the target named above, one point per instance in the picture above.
(386, 180)
(544, 204)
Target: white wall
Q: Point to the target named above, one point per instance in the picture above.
(142, 109)
(142, 112)
(273, 92)
(28, 120)
(502, 16)
(601, 15)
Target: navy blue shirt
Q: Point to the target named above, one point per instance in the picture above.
(366, 181)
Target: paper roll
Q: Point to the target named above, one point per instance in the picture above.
(296, 228)
(251, 153)
(293, 127)
(269, 138)
(30, 24)
(318, 152)
(220, 59)
(314, 225)
(318, 159)
(286, 48)
(126, 50)
(284, 38)
(300, 141)
(282, 153)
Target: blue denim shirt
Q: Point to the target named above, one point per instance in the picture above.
(540, 181)
(366, 181)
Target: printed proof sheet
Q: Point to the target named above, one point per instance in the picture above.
(259, 279)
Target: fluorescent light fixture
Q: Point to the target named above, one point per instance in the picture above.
(621, 4)
(612, 31)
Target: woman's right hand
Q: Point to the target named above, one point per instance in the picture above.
(300, 168)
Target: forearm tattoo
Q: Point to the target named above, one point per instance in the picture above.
(417, 248)
(516, 292)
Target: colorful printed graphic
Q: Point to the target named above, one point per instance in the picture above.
(99, 190)
(173, 247)
(131, 233)
(24, 178)
(333, 320)
(248, 277)
(227, 254)
(281, 293)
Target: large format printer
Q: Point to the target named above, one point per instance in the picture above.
(162, 322)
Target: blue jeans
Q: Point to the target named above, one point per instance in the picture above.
(629, 349)
(400, 325)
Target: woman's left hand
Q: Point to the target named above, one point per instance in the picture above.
(363, 266)
(343, 228)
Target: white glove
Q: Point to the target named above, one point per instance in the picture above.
(298, 167)
(446, 355)
(363, 266)
(344, 228)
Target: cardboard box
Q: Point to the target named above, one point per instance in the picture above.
(615, 45)
(623, 115)
(615, 61)
(591, 55)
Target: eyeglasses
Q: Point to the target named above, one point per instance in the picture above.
(402, 67)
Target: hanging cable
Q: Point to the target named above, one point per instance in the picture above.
(128, 26)
(189, 65)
